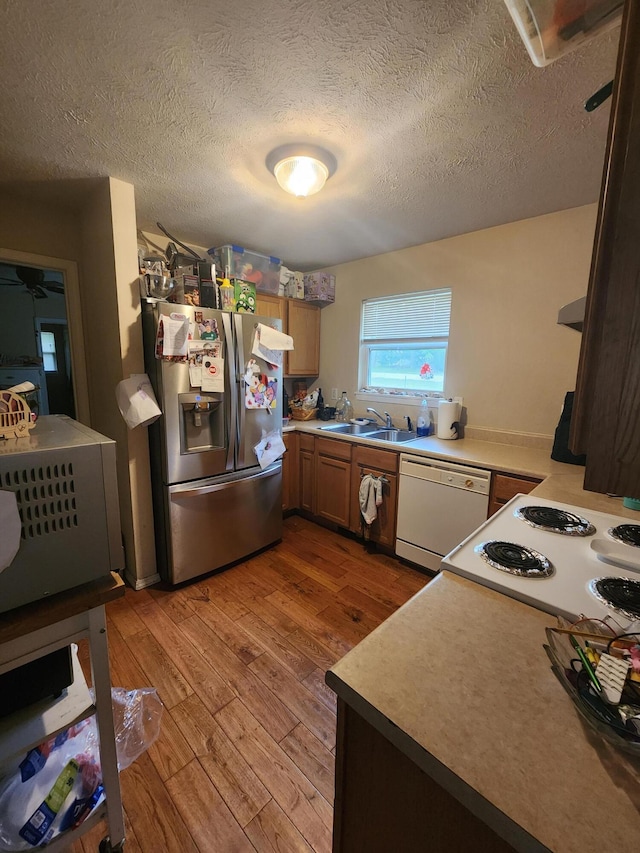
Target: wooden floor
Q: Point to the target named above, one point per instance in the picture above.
(245, 759)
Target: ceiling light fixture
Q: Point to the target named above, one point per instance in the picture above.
(301, 169)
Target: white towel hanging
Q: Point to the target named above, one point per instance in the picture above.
(370, 497)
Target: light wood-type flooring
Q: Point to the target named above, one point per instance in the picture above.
(245, 759)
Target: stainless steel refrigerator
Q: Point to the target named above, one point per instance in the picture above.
(213, 504)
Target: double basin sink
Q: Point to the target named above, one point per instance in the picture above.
(371, 431)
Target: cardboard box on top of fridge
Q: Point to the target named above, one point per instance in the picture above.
(245, 296)
(319, 288)
(261, 270)
(291, 284)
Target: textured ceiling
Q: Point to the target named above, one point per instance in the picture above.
(439, 122)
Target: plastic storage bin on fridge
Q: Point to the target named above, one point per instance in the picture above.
(261, 270)
(319, 288)
(551, 28)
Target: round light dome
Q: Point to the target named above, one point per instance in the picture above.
(301, 170)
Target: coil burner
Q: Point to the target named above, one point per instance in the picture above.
(620, 594)
(628, 534)
(555, 520)
(515, 559)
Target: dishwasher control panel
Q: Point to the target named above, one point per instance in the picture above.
(446, 473)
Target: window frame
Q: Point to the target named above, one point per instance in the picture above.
(366, 345)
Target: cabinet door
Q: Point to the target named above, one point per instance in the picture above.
(383, 529)
(505, 487)
(307, 479)
(303, 324)
(272, 306)
(606, 409)
(290, 477)
(333, 489)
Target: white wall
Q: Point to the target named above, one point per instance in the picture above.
(508, 358)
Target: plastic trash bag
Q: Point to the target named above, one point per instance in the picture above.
(59, 782)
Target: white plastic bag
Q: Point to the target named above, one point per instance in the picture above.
(58, 783)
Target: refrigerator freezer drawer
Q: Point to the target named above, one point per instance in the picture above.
(212, 523)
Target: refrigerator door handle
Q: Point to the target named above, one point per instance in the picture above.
(231, 390)
(187, 491)
(240, 391)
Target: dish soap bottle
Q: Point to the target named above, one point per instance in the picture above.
(340, 407)
(423, 427)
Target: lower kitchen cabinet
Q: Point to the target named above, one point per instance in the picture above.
(385, 802)
(306, 472)
(333, 480)
(504, 487)
(290, 478)
(384, 464)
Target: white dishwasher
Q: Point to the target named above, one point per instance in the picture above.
(439, 505)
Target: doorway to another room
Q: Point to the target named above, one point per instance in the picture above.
(41, 338)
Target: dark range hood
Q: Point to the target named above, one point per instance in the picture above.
(572, 314)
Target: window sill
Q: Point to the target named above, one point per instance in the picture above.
(398, 399)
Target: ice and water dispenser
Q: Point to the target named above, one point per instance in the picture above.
(202, 421)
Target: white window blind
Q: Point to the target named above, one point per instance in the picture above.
(422, 315)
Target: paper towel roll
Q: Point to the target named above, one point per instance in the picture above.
(448, 414)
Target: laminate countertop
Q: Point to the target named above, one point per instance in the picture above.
(560, 482)
(458, 680)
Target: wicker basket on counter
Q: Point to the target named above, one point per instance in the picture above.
(298, 414)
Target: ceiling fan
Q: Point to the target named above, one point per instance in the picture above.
(34, 281)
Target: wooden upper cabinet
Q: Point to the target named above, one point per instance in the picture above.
(606, 412)
(272, 306)
(303, 324)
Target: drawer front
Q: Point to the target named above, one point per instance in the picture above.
(336, 449)
(383, 460)
(504, 487)
(306, 441)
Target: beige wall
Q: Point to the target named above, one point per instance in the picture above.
(39, 227)
(114, 350)
(101, 239)
(508, 358)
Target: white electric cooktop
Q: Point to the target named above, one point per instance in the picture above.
(561, 580)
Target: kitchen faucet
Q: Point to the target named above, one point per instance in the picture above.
(388, 422)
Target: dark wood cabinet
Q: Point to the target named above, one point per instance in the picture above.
(384, 802)
(506, 486)
(607, 404)
(384, 464)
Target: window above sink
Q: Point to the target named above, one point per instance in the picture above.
(403, 343)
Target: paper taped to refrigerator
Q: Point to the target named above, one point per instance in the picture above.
(269, 343)
(212, 373)
(269, 448)
(136, 401)
(197, 350)
(173, 336)
(261, 390)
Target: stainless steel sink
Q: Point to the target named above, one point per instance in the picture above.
(393, 435)
(350, 429)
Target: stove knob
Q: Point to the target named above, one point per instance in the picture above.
(468, 483)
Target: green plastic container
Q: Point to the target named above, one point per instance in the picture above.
(631, 503)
